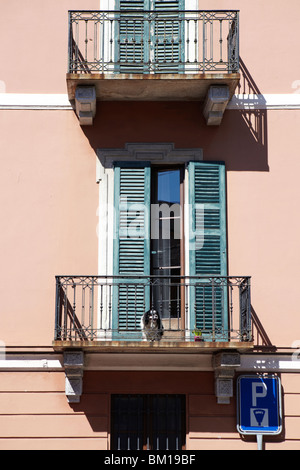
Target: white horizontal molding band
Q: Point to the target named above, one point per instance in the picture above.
(270, 362)
(252, 363)
(267, 101)
(48, 101)
(34, 101)
(28, 363)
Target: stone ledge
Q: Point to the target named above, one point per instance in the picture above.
(151, 87)
(168, 347)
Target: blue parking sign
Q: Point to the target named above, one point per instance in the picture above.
(259, 404)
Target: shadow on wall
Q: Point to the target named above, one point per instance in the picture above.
(254, 118)
(243, 133)
(241, 140)
(205, 418)
(260, 336)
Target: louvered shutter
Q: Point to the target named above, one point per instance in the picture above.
(208, 253)
(131, 296)
(150, 42)
(133, 36)
(168, 41)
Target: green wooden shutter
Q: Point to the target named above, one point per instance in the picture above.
(150, 43)
(131, 293)
(132, 36)
(168, 40)
(208, 252)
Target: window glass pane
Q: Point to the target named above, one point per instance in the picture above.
(166, 240)
(168, 186)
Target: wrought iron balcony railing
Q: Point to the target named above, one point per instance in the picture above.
(110, 307)
(164, 41)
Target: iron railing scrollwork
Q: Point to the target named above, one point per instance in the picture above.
(110, 307)
(164, 41)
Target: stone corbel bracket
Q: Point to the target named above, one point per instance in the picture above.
(225, 365)
(215, 104)
(73, 364)
(85, 104)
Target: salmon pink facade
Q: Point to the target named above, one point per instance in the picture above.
(149, 163)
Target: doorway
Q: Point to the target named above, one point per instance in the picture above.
(166, 248)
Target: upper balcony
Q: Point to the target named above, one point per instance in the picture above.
(155, 55)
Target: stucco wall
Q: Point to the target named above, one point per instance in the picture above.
(34, 413)
(50, 199)
(49, 216)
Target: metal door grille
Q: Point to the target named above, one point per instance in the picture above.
(148, 422)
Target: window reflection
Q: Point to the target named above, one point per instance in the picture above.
(165, 240)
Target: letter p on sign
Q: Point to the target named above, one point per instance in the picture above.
(259, 390)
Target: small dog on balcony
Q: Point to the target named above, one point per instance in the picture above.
(151, 326)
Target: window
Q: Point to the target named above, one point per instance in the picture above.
(147, 422)
(166, 244)
(146, 197)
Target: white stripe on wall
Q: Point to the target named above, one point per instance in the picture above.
(255, 363)
(34, 101)
(267, 101)
(49, 101)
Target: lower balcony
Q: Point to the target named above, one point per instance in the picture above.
(104, 313)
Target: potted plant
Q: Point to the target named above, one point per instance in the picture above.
(197, 334)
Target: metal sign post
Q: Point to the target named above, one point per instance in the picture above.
(259, 406)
